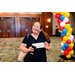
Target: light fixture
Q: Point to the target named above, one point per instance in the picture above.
(49, 20)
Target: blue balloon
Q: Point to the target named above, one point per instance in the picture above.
(64, 48)
(71, 55)
(62, 17)
(71, 33)
(70, 25)
(62, 34)
(66, 45)
(64, 31)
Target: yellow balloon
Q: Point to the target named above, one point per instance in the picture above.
(60, 31)
(56, 12)
(68, 56)
(71, 52)
(70, 30)
(64, 41)
(52, 12)
(65, 38)
(67, 26)
(68, 34)
(62, 13)
(71, 45)
(66, 14)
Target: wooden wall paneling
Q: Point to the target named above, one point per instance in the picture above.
(4, 28)
(12, 29)
(23, 27)
(46, 16)
(0, 29)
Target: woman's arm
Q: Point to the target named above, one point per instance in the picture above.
(47, 46)
(24, 49)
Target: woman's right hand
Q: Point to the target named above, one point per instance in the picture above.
(30, 49)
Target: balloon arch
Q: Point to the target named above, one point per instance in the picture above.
(65, 28)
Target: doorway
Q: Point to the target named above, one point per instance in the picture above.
(7, 27)
(26, 24)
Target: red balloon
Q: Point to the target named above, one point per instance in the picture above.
(59, 24)
(68, 22)
(61, 37)
(61, 28)
(57, 16)
(59, 21)
(66, 52)
(69, 48)
(68, 41)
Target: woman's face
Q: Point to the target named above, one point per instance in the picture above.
(36, 28)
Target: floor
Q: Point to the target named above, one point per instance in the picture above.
(9, 50)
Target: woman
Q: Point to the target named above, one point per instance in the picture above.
(37, 36)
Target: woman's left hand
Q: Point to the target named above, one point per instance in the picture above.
(46, 45)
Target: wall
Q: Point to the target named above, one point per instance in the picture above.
(22, 14)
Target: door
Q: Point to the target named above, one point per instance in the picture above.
(7, 27)
(4, 25)
(0, 29)
(22, 27)
(26, 25)
(12, 28)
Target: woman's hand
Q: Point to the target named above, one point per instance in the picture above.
(46, 45)
(30, 49)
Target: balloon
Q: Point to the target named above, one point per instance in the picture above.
(60, 31)
(71, 33)
(68, 56)
(67, 26)
(64, 31)
(57, 16)
(61, 28)
(62, 13)
(64, 41)
(70, 30)
(70, 25)
(71, 45)
(62, 17)
(64, 48)
(68, 34)
(66, 45)
(71, 37)
(71, 52)
(61, 37)
(62, 51)
(62, 44)
(68, 41)
(62, 24)
(57, 12)
(67, 14)
(66, 52)
(69, 48)
(66, 20)
(65, 38)
(59, 21)
(62, 34)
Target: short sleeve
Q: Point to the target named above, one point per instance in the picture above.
(25, 40)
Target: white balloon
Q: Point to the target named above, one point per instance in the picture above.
(71, 37)
(54, 13)
(66, 20)
(62, 24)
(62, 51)
(62, 44)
